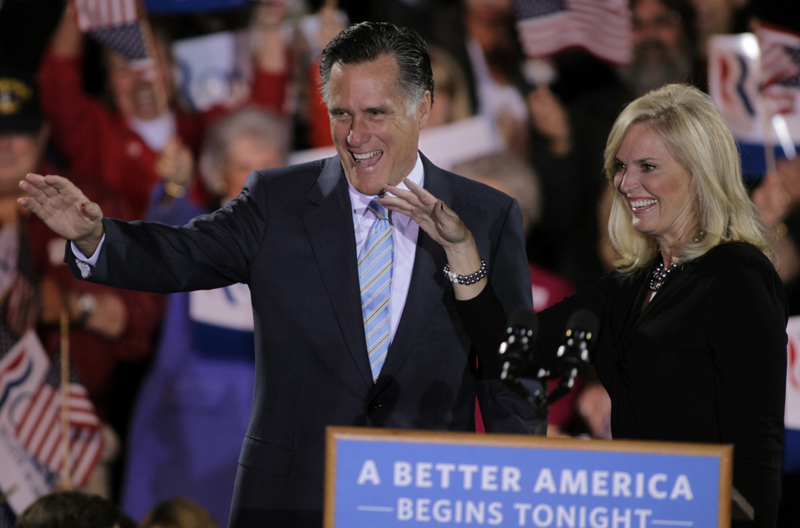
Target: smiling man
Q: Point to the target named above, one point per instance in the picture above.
(359, 267)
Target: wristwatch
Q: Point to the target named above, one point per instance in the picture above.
(87, 304)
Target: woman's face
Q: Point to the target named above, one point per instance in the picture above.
(245, 155)
(657, 189)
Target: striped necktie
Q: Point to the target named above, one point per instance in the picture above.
(375, 278)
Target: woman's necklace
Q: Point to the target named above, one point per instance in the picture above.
(660, 274)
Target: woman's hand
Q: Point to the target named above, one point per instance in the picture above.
(594, 406)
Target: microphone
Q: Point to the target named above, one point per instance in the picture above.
(581, 335)
(516, 349)
(517, 352)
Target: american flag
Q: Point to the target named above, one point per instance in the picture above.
(780, 67)
(115, 24)
(602, 27)
(39, 430)
(93, 14)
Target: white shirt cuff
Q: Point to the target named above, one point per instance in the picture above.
(85, 264)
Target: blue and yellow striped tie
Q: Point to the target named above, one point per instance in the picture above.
(375, 278)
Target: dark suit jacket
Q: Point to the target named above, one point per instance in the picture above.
(705, 361)
(290, 237)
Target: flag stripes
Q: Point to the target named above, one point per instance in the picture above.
(603, 27)
(780, 67)
(39, 430)
(93, 14)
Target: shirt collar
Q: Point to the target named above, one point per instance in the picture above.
(361, 201)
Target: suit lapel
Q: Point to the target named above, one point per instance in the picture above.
(330, 232)
(428, 283)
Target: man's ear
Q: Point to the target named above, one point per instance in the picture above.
(424, 109)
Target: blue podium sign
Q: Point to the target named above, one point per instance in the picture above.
(390, 478)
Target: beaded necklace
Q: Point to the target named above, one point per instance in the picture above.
(660, 275)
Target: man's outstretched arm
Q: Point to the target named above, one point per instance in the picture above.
(64, 209)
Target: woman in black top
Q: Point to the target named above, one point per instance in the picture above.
(692, 340)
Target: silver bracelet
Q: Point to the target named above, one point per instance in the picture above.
(472, 278)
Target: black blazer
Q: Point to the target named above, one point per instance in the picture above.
(704, 362)
(290, 237)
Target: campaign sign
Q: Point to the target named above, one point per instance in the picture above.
(377, 477)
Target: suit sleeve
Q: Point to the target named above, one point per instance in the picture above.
(746, 323)
(211, 251)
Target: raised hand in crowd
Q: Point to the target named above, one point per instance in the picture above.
(270, 50)
(788, 172)
(550, 119)
(775, 199)
(175, 167)
(771, 200)
(331, 22)
(108, 316)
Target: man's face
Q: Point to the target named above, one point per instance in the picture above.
(19, 155)
(656, 32)
(661, 51)
(374, 135)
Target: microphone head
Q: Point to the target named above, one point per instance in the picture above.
(524, 318)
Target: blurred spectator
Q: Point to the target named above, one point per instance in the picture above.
(510, 174)
(178, 513)
(452, 98)
(247, 140)
(719, 17)
(777, 199)
(570, 121)
(550, 120)
(142, 137)
(496, 58)
(328, 22)
(106, 330)
(193, 407)
(570, 128)
(72, 509)
(664, 43)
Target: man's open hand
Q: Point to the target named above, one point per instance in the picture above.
(65, 210)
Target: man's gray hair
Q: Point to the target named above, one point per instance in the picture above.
(367, 41)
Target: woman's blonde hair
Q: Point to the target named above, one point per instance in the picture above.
(698, 138)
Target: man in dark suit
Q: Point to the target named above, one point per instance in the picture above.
(330, 350)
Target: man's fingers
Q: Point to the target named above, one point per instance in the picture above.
(32, 190)
(30, 204)
(399, 205)
(416, 196)
(424, 196)
(49, 185)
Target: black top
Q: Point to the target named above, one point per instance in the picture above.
(705, 361)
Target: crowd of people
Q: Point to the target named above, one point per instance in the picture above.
(134, 146)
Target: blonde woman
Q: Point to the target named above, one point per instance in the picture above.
(692, 340)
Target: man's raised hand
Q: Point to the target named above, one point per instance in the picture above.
(65, 210)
